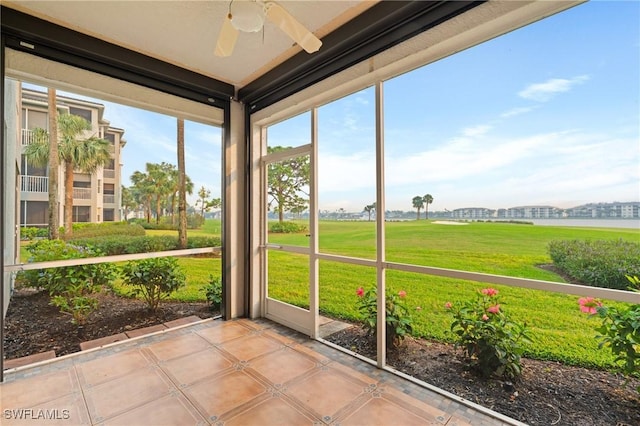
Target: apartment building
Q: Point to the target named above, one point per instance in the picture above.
(619, 210)
(534, 212)
(96, 197)
(473, 213)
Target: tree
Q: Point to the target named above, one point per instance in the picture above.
(428, 199)
(160, 180)
(370, 208)
(182, 188)
(175, 185)
(286, 182)
(143, 191)
(54, 166)
(75, 152)
(418, 203)
(128, 200)
(215, 203)
(204, 194)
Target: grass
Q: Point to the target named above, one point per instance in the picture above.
(561, 332)
(196, 269)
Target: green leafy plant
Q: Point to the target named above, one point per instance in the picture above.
(123, 244)
(153, 279)
(72, 288)
(598, 263)
(213, 291)
(491, 341)
(619, 331)
(286, 228)
(399, 323)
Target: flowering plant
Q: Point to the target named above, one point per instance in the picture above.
(399, 323)
(491, 342)
(620, 330)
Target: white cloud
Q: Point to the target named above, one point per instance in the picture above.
(555, 168)
(517, 111)
(543, 92)
(476, 130)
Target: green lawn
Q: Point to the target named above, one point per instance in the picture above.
(196, 269)
(560, 331)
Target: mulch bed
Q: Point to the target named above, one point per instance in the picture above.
(547, 393)
(33, 326)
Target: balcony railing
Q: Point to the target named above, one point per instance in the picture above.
(27, 137)
(109, 174)
(109, 199)
(34, 183)
(82, 193)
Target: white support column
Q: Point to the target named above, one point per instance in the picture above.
(314, 301)
(234, 207)
(257, 255)
(380, 248)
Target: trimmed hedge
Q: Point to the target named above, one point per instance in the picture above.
(114, 245)
(31, 233)
(91, 230)
(286, 228)
(602, 263)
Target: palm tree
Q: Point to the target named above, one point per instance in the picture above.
(428, 199)
(128, 200)
(369, 208)
(54, 166)
(175, 191)
(182, 188)
(159, 178)
(143, 191)
(75, 152)
(418, 203)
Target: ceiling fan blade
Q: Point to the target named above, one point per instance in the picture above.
(226, 39)
(294, 29)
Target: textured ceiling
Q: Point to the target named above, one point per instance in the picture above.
(184, 33)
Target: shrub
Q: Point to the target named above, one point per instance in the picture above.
(71, 287)
(153, 279)
(491, 341)
(597, 263)
(194, 221)
(620, 331)
(92, 230)
(399, 323)
(286, 228)
(213, 292)
(115, 245)
(30, 233)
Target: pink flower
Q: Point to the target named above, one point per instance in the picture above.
(448, 305)
(402, 294)
(589, 305)
(360, 292)
(489, 291)
(493, 309)
(485, 317)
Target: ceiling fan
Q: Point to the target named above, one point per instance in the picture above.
(249, 15)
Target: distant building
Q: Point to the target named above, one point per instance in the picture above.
(96, 198)
(619, 210)
(473, 213)
(534, 212)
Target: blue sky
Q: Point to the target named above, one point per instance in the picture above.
(548, 114)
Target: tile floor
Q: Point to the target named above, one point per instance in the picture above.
(222, 373)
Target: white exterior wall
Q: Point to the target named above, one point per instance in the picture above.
(10, 182)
